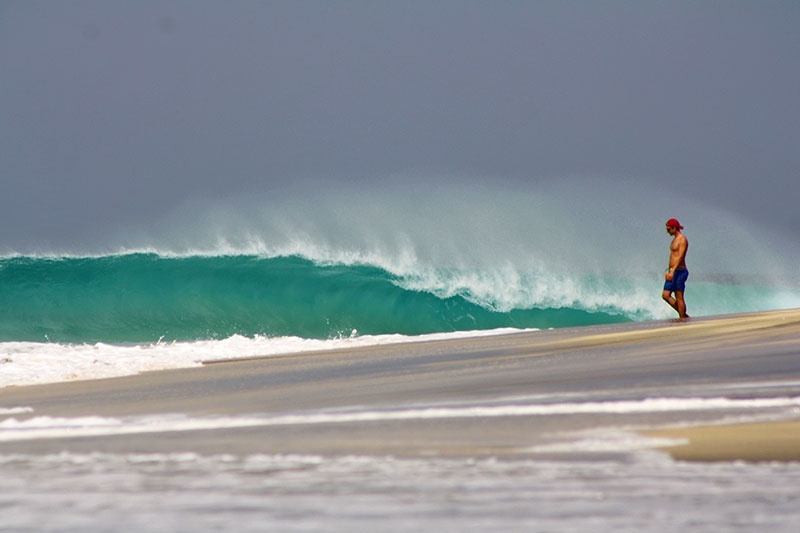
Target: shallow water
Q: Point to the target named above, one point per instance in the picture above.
(189, 492)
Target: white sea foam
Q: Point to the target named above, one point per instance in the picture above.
(603, 440)
(29, 363)
(12, 429)
(15, 410)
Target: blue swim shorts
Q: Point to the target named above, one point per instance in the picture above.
(678, 283)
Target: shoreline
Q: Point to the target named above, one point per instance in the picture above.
(100, 361)
(491, 395)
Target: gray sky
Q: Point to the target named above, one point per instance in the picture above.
(113, 113)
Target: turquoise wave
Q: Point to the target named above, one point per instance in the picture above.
(139, 298)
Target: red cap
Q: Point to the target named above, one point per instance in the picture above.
(673, 223)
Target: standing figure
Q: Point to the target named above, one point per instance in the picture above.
(677, 273)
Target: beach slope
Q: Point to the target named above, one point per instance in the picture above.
(534, 393)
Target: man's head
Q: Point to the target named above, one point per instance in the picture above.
(673, 224)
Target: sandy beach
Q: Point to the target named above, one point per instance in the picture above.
(658, 426)
(521, 394)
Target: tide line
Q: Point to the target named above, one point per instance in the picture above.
(43, 427)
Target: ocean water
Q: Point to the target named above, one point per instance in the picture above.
(77, 317)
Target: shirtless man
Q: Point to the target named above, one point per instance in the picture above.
(677, 273)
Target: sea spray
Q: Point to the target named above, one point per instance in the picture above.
(567, 226)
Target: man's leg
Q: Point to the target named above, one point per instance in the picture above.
(673, 302)
(680, 304)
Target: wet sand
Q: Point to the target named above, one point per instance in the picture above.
(464, 397)
(772, 441)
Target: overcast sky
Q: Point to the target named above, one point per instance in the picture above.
(113, 113)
